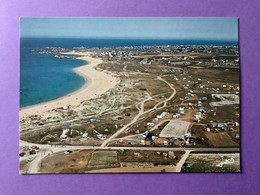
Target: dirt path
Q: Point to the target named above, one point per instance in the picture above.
(182, 161)
(141, 112)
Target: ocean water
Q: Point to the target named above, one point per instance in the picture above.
(44, 78)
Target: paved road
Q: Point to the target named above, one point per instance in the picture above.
(35, 163)
(58, 148)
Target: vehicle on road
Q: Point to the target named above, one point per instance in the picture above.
(68, 152)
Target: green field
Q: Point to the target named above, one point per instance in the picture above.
(103, 159)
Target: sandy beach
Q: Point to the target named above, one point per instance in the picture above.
(97, 83)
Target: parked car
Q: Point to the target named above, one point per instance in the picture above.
(22, 154)
(32, 152)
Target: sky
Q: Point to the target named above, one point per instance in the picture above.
(150, 28)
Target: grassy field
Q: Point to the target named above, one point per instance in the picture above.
(103, 159)
(208, 163)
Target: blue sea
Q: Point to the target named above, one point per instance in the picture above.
(44, 78)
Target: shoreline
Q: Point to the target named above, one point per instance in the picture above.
(91, 89)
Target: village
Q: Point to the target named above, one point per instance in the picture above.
(172, 101)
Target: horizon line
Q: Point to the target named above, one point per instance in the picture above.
(132, 38)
